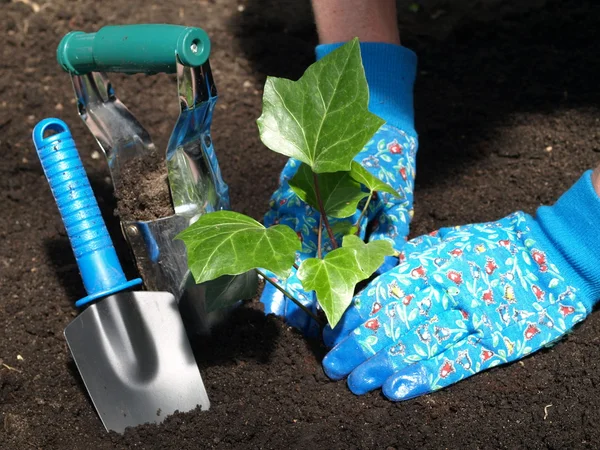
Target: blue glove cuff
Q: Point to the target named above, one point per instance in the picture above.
(390, 70)
(572, 228)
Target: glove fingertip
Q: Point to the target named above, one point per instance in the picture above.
(343, 359)
(331, 367)
(408, 383)
(368, 376)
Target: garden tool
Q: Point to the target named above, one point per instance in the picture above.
(195, 181)
(131, 348)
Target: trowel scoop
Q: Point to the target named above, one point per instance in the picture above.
(131, 348)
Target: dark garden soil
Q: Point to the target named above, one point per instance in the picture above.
(142, 190)
(507, 106)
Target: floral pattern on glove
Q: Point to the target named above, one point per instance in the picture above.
(463, 300)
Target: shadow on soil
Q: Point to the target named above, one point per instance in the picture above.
(520, 56)
(247, 334)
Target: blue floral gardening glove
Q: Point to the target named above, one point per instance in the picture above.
(390, 155)
(469, 298)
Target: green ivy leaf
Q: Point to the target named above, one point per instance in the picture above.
(370, 181)
(343, 227)
(339, 192)
(334, 277)
(370, 256)
(228, 290)
(323, 118)
(229, 243)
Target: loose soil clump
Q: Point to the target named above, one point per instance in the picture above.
(142, 190)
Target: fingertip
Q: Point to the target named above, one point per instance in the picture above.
(332, 367)
(368, 376)
(343, 359)
(408, 383)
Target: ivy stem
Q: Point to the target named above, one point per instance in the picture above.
(322, 212)
(319, 236)
(363, 212)
(291, 297)
(295, 266)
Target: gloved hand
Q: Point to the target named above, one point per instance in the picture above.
(390, 155)
(469, 298)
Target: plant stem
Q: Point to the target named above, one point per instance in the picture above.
(322, 211)
(320, 236)
(295, 266)
(364, 211)
(291, 297)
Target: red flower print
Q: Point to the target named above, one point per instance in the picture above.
(539, 294)
(403, 173)
(376, 307)
(531, 331)
(418, 272)
(456, 252)
(504, 243)
(446, 369)
(394, 147)
(455, 276)
(372, 324)
(464, 314)
(490, 266)
(486, 354)
(488, 297)
(566, 310)
(540, 258)
(407, 299)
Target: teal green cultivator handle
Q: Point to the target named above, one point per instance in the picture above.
(148, 49)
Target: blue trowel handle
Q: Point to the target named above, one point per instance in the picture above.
(94, 251)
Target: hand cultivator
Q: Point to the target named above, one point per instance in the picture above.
(194, 178)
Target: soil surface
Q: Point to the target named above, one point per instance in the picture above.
(507, 106)
(142, 190)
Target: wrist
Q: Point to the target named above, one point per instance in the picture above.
(569, 229)
(369, 21)
(596, 180)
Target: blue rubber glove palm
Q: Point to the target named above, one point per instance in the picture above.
(469, 298)
(390, 155)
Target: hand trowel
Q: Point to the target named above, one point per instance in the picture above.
(130, 347)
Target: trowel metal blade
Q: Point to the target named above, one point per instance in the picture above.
(135, 359)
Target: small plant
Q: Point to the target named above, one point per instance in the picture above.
(323, 121)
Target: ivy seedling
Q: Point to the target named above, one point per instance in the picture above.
(323, 121)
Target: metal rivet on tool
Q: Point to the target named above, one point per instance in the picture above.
(132, 230)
